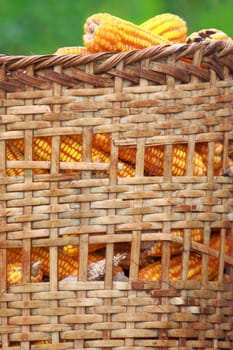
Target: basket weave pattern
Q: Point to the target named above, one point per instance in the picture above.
(182, 94)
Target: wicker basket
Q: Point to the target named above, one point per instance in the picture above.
(158, 96)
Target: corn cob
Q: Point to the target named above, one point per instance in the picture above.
(215, 242)
(124, 169)
(44, 342)
(71, 151)
(179, 162)
(154, 161)
(156, 249)
(42, 149)
(73, 250)
(229, 168)
(72, 50)
(41, 342)
(12, 153)
(15, 276)
(167, 25)
(15, 255)
(209, 34)
(152, 272)
(104, 32)
(154, 157)
(202, 149)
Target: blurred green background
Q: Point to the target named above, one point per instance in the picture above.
(30, 27)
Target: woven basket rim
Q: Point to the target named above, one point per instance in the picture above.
(217, 49)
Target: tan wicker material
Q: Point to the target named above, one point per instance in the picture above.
(163, 95)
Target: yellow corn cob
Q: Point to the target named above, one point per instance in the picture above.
(154, 161)
(37, 254)
(154, 157)
(40, 342)
(17, 144)
(71, 151)
(202, 149)
(230, 160)
(209, 34)
(215, 242)
(124, 169)
(12, 153)
(73, 250)
(152, 272)
(218, 148)
(42, 149)
(15, 276)
(167, 25)
(71, 50)
(156, 249)
(104, 32)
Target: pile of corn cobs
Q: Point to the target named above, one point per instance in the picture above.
(104, 32)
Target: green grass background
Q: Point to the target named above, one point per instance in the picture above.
(30, 27)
